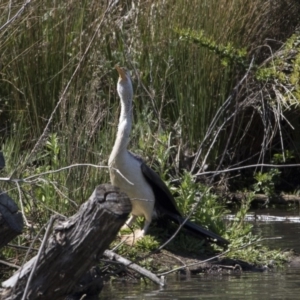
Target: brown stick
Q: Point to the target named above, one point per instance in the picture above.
(129, 264)
(73, 247)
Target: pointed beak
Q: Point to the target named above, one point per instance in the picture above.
(121, 71)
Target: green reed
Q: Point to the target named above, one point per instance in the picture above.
(179, 85)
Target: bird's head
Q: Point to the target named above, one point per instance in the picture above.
(124, 85)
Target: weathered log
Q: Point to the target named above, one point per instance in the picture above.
(89, 285)
(11, 221)
(73, 248)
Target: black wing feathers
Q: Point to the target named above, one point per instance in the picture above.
(165, 203)
(163, 198)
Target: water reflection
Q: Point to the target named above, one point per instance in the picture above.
(289, 233)
(280, 284)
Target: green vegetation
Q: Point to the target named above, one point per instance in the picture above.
(59, 107)
(265, 182)
(197, 198)
(228, 54)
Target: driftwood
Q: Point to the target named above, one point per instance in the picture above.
(72, 249)
(261, 198)
(11, 221)
(253, 217)
(129, 264)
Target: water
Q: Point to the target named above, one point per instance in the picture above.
(288, 231)
(278, 285)
(281, 284)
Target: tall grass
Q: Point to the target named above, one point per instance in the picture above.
(176, 81)
(187, 83)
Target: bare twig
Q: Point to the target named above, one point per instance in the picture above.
(21, 204)
(30, 178)
(9, 10)
(216, 256)
(216, 118)
(41, 249)
(72, 166)
(9, 264)
(182, 224)
(27, 253)
(59, 192)
(129, 264)
(21, 247)
(247, 167)
(19, 12)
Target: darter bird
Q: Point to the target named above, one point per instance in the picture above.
(148, 193)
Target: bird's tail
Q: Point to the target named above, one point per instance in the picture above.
(197, 229)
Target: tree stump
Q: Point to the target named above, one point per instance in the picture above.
(11, 221)
(73, 247)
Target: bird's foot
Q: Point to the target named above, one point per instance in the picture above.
(125, 227)
(131, 239)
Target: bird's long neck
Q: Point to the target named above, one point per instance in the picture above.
(124, 129)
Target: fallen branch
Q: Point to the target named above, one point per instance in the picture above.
(33, 178)
(129, 264)
(262, 198)
(216, 256)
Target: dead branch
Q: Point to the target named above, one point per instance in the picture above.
(129, 264)
(261, 198)
(19, 12)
